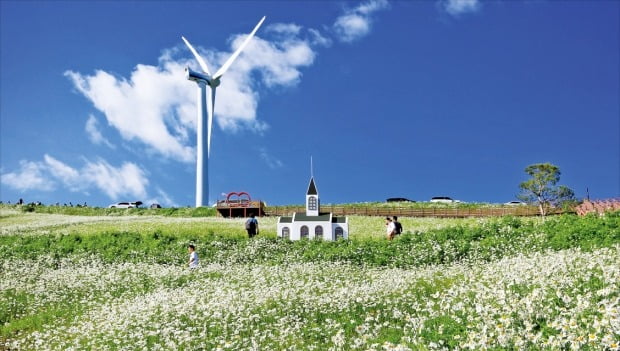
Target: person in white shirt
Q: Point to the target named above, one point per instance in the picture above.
(389, 228)
(193, 257)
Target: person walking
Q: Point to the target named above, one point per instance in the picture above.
(389, 228)
(398, 228)
(251, 226)
(193, 257)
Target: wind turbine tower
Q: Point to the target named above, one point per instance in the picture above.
(206, 108)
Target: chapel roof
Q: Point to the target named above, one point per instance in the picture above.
(312, 188)
(339, 219)
(285, 220)
(302, 217)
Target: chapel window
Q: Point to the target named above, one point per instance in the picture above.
(318, 232)
(312, 203)
(286, 233)
(339, 233)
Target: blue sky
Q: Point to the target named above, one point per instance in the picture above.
(391, 99)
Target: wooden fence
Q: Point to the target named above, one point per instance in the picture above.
(412, 212)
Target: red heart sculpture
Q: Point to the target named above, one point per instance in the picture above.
(234, 199)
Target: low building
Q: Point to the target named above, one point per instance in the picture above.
(313, 224)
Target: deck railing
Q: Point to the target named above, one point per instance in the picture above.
(412, 212)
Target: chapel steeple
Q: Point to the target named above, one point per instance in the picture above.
(312, 199)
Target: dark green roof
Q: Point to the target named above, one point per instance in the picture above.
(285, 220)
(312, 188)
(339, 220)
(302, 217)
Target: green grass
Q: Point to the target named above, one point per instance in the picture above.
(224, 240)
(361, 227)
(103, 211)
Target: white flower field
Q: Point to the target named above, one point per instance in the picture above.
(539, 299)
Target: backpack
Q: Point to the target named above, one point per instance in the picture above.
(250, 224)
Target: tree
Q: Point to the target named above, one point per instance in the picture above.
(542, 190)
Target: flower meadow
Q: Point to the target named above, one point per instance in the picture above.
(502, 284)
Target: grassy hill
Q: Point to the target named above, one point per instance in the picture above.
(112, 282)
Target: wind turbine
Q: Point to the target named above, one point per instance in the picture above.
(206, 109)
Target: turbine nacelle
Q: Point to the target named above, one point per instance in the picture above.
(196, 76)
(201, 77)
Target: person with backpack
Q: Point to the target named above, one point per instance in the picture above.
(251, 226)
(398, 228)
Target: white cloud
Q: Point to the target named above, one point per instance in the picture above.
(128, 180)
(278, 63)
(92, 129)
(30, 176)
(287, 28)
(66, 175)
(156, 105)
(146, 108)
(356, 23)
(162, 198)
(351, 27)
(458, 7)
(316, 38)
(269, 159)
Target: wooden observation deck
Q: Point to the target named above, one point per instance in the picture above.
(240, 205)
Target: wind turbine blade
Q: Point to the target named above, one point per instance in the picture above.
(211, 108)
(201, 62)
(232, 58)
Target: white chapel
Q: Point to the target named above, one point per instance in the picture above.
(313, 224)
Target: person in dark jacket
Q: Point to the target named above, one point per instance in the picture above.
(398, 228)
(251, 226)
